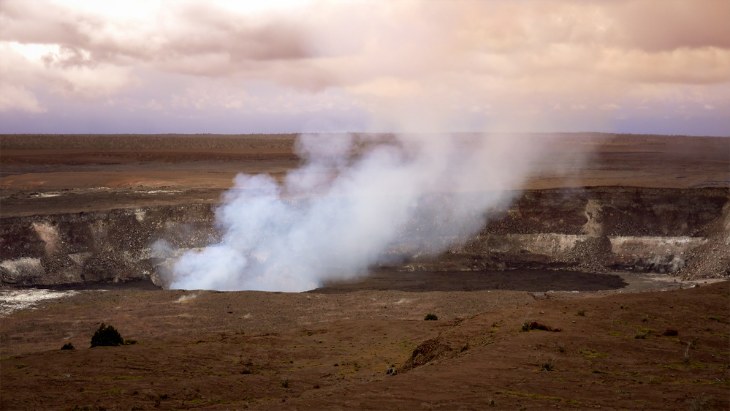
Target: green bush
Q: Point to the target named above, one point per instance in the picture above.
(106, 336)
(68, 346)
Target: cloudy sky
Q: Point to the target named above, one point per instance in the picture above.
(289, 66)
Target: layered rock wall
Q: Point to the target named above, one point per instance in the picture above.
(683, 231)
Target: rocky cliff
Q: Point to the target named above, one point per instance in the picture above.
(680, 231)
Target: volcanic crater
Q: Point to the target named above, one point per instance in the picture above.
(107, 216)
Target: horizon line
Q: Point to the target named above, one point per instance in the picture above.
(368, 132)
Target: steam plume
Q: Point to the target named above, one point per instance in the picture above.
(355, 202)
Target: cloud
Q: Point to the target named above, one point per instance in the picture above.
(677, 24)
(18, 98)
(707, 65)
(517, 58)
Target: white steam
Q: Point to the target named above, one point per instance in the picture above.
(354, 203)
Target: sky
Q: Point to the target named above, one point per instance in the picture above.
(630, 66)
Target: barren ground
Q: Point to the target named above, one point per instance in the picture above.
(626, 341)
(53, 174)
(272, 350)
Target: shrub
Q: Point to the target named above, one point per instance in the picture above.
(642, 333)
(431, 317)
(68, 346)
(547, 366)
(106, 336)
(534, 325)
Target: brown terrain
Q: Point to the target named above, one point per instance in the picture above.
(604, 290)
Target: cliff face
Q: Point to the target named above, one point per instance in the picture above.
(685, 231)
(110, 246)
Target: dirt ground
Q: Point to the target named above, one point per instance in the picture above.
(212, 350)
(507, 340)
(53, 174)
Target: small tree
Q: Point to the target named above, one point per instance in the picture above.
(107, 336)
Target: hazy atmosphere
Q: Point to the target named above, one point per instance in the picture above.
(241, 67)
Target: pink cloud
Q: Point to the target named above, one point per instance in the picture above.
(393, 61)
